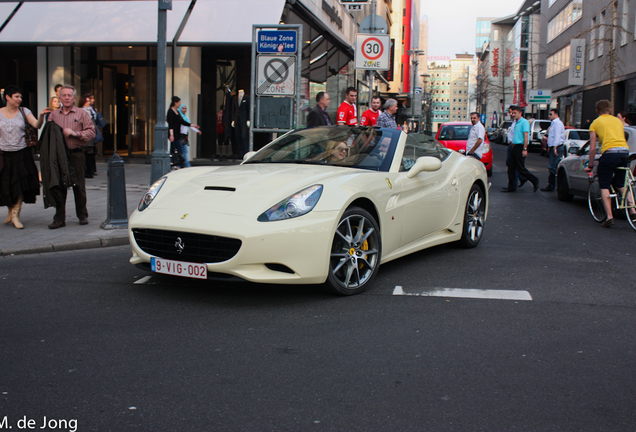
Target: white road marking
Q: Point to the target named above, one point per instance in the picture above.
(143, 280)
(468, 293)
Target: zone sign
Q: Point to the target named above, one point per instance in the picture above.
(372, 51)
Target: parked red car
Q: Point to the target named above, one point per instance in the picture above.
(453, 135)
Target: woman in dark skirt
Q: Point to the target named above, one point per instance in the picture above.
(19, 179)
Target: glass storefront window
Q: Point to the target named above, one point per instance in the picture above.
(565, 18)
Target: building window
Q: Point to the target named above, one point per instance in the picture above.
(495, 35)
(624, 22)
(601, 34)
(558, 62)
(591, 48)
(564, 19)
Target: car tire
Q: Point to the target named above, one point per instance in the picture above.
(563, 190)
(474, 217)
(355, 255)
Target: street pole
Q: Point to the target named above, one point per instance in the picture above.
(373, 30)
(415, 64)
(416, 61)
(160, 159)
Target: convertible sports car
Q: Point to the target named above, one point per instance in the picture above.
(328, 204)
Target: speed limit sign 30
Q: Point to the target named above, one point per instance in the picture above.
(372, 51)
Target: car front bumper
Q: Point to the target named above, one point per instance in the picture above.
(293, 251)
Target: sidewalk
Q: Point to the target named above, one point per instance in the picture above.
(36, 237)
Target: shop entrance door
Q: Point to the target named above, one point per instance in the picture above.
(127, 96)
(107, 105)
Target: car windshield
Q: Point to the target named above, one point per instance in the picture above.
(354, 147)
(453, 133)
(579, 135)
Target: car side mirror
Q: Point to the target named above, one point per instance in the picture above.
(573, 149)
(248, 155)
(424, 163)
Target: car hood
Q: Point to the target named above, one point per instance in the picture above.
(243, 190)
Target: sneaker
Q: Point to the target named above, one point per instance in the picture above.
(608, 223)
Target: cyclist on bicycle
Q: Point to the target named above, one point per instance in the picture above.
(614, 150)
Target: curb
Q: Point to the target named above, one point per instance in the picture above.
(66, 246)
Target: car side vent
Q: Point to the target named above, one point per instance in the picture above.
(220, 188)
(279, 268)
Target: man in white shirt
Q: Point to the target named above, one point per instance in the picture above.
(556, 138)
(475, 137)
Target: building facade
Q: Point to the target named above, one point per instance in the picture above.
(510, 65)
(459, 95)
(589, 48)
(439, 84)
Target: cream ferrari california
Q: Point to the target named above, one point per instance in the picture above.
(323, 205)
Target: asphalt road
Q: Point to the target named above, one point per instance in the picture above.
(88, 341)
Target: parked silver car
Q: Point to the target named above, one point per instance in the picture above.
(572, 179)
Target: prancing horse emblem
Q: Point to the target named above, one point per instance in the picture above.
(179, 245)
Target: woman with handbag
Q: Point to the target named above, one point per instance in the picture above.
(19, 179)
(175, 121)
(185, 143)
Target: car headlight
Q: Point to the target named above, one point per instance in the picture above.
(296, 205)
(151, 194)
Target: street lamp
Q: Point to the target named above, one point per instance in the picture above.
(427, 101)
(416, 61)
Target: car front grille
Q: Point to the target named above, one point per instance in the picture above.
(198, 248)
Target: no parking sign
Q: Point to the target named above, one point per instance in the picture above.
(372, 51)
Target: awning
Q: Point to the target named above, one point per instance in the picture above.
(566, 92)
(5, 10)
(229, 21)
(90, 22)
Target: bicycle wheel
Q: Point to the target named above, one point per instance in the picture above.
(595, 202)
(630, 196)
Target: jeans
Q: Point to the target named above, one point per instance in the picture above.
(185, 148)
(553, 163)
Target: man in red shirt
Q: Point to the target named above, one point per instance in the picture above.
(370, 116)
(347, 114)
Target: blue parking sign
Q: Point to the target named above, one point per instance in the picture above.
(276, 41)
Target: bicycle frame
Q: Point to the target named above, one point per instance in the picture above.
(624, 200)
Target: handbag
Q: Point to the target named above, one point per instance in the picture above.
(98, 132)
(100, 120)
(30, 133)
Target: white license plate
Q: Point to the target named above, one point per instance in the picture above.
(179, 268)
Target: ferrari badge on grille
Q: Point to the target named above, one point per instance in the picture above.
(179, 245)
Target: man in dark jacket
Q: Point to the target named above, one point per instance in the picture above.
(57, 174)
(78, 128)
(318, 116)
